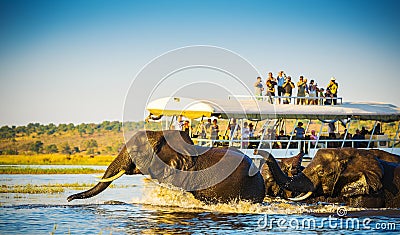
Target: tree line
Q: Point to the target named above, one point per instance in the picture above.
(30, 138)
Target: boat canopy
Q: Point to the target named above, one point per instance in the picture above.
(260, 110)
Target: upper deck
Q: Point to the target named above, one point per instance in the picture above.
(276, 117)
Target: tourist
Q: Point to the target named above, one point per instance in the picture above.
(301, 90)
(178, 124)
(358, 136)
(313, 138)
(333, 89)
(233, 127)
(377, 130)
(283, 144)
(245, 135)
(321, 95)
(288, 87)
(214, 130)
(270, 83)
(347, 137)
(299, 131)
(300, 134)
(331, 130)
(312, 92)
(280, 81)
(186, 127)
(364, 131)
(258, 88)
(251, 130)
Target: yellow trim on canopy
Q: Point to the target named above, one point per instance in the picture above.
(173, 106)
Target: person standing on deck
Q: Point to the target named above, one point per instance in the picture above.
(288, 87)
(271, 82)
(312, 92)
(214, 131)
(280, 81)
(258, 88)
(333, 89)
(301, 90)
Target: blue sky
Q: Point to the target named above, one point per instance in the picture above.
(73, 61)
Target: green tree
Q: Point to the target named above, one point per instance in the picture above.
(52, 148)
(36, 146)
(91, 143)
(65, 148)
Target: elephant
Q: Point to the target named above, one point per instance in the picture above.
(212, 175)
(356, 177)
(290, 166)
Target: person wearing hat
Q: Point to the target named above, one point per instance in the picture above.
(258, 88)
(333, 89)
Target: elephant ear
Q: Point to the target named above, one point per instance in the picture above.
(362, 176)
(175, 148)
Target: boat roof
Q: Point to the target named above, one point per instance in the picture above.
(253, 109)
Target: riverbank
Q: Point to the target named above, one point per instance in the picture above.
(56, 159)
(16, 170)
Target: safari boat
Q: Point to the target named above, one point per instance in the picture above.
(381, 122)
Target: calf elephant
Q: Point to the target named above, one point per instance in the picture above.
(210, 174)
(356, 177)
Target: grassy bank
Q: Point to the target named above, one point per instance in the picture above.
(32, 170)
(47, 188)
(55, 159)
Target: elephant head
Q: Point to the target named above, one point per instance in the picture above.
(210, 174)
(344, 173)
(290, 166)
(142, 146)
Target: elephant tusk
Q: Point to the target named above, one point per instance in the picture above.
(301, 197)
(113, 177)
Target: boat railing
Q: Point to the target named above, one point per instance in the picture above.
(287, 148)
(291, 99)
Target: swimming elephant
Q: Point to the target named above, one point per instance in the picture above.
(356, 177)
(290, 166)
(210, 174)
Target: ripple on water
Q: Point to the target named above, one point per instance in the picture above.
(151, 208)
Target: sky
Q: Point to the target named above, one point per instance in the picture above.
(74, 61)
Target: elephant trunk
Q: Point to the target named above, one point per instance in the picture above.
(121, 164)
(299, 183)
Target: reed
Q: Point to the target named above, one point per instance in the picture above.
(50, 188)
(56, 159)
(35, 171)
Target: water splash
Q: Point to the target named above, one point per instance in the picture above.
(167, 197)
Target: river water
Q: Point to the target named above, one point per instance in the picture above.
(139, 205)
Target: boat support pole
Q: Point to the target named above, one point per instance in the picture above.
(372, 134)
(172, 121)
(395, 137)
(291, 137)
(345, 134)
(319, 135)
(263, 134)
(274, 130)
